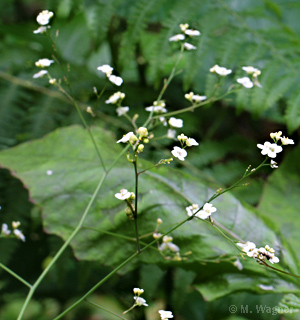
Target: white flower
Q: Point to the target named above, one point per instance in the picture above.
(189, 46)
(197, 97)
(39, 74)
(49, 172)
(165, 315)
(207, 210)
(273, 259)
(19, 235)
(44, 17)
(16, 224)
(269, 149)
(237, 263)
(156, 109)
(156, 235)
(130, 136)
(191, 142)
(140, 301)
(177, 37)
(192, 209)
(183, 27)
(251, 70)
(276, 135)
(42, 63)
(5, 229)
(122, 110)
(176, 123)
(115, 97)
(173, 247)
(41, 30)
(194, 97)
(273, 164)
(192, 33)
(246, 82)
(138, 291)
(285, 141)
(179, 153)
(107, 69)
(220, 70)
(123, 195)
(171, 134)
(116, 80)
(249, 248)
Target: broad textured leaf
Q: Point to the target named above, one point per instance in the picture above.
(164, 193)
(228, 283)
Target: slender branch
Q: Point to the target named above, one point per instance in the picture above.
(166, 84)
(136, 204)
(84, 123)
(15, 275)
(71, 237)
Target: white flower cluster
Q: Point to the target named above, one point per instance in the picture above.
(125, 195)
(203, 214)
(181, 153)
(259, 254)
(247, 82)
(157, 107)
(43, 20)
(167, 244)
(271, 149)
(221, 71)
(137, 140)
(194, 97)
(5, 232)
(138, 300)
(117, 99)
(165, 315)
(107, 69)
(185, 33)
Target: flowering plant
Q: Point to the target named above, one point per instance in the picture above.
(147, 209)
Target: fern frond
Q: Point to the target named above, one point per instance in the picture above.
(292, 112)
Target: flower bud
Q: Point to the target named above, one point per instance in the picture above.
(129, 213)
(140, 148)
(143, 132)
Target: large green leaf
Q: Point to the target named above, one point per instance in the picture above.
(164, 193)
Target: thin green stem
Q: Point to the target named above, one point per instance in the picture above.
(84, 123)
(166, 84)
(100, 307)
(15, 275)
(278, 270)
(136, 203)
(117, 235)
(197, 105)
(71, 237)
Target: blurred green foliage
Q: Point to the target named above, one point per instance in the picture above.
(132, 36)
